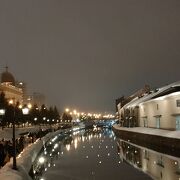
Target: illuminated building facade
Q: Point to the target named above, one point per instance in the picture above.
(157, 109)
(10, 88)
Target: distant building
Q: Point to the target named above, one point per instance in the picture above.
(157, 109)
(38, 99)
(9, 87)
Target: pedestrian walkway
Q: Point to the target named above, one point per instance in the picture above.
(6, 133)
(150, 131)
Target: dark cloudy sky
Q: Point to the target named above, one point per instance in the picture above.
(87, 53)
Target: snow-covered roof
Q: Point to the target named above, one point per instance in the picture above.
(137, 101)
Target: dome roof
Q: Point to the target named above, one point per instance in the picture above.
(7, 77)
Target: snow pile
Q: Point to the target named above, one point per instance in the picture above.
(25, 160)
(151, 131)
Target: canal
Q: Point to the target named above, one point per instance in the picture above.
(92, 154)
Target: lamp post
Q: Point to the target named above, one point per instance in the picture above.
(25, 110)
(2, 113)
(11, 102)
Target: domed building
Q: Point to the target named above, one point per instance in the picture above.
(9, 87)
(7, 77)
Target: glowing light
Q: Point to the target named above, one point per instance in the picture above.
(41, 160)
(2, 111)
(75, 143)
(11, 101)
(68, 147)
(25, 111)
(67, 110)
(55, 146)
(29, 106)
(20, 106)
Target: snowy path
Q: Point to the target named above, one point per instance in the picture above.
(151, 131)
(6, 133)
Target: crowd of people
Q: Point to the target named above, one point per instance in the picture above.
(6, 146)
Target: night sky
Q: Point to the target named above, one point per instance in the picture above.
(86, 53)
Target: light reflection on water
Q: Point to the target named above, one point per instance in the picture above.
(84, 155)
(156, 164)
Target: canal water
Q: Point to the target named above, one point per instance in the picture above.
(90, 155)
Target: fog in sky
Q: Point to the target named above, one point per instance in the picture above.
(87, 53)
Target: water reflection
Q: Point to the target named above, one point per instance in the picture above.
(84, 155)
(155, 164)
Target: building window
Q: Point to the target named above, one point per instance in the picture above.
(160, 161)
(157, 106)
(146, 155)
(145, 120)
(178, 103)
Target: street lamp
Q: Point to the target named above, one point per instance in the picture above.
(11, 102)
(2, 113)
(25, 110)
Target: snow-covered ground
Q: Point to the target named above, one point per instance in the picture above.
(25, 159)
(151, 131)
(6, 133)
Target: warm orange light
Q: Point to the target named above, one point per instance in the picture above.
(29, 106)
(11, 101)
(20, 106)
(75, 112)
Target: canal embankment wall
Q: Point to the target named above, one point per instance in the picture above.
(26, 158)
(160, 140)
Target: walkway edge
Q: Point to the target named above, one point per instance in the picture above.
(167, 145)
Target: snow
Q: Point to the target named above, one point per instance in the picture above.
(151, 131)
(6, 133)
(25, 159)
(147, 97)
